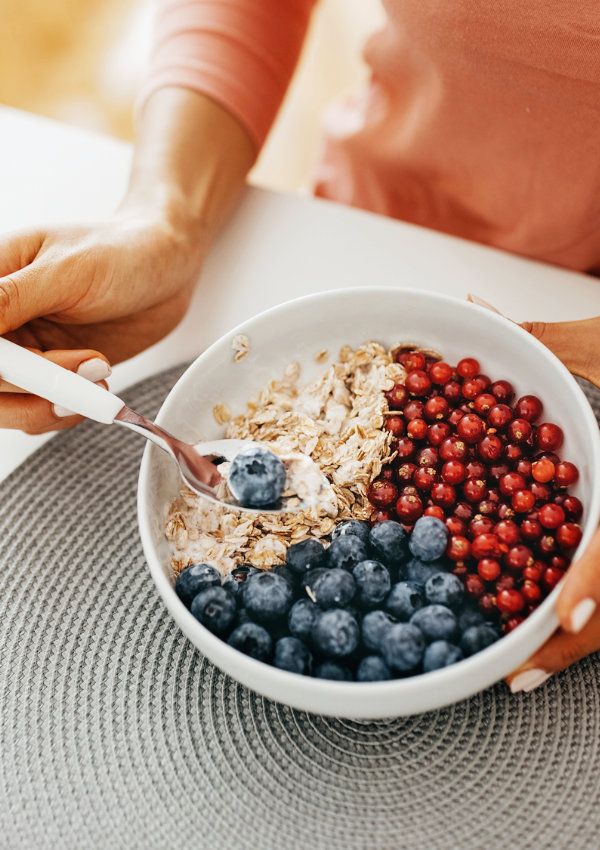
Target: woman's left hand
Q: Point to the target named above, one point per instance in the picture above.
(577, 344)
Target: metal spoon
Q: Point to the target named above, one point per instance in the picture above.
(40, 377)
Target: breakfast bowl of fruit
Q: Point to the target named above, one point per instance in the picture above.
(436, 466)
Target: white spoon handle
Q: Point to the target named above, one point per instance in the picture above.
(40, 377)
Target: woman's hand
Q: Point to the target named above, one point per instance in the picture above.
(86, 297)
(90, 296)
(577, 344)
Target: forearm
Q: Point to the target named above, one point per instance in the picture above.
(190, 162)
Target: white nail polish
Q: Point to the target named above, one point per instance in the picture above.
(475, 299)
(62, 412)
(94, 370)
(581, 614)
(528, 680)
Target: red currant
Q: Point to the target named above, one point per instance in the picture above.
(569, 535)
(566, 473)
(518, 557)
(541, 492)
(414, 410)
(453, 392)
(529, 407)
(531, 591)
(395, 425)
(547, 545)
(417, 429)
(453, 449)
(382, 494)
(505, 582)
(453, 472)
(488, 604)
(464, 511)
(551, 515)
(519, 431)
(405, 448)
(573, 508)
(458, 548)
(443, 495)
(428, 457)
(424, 478)
(468, 367)
(484, 403)
(475, 469)
(474, 586)
(411, 359)
(456, 526)
(549, 437)
(507, 532)
(511, 482)
(474, 489)
(481, 525)
(440, 372)
(436, 408)
(543, 470)
(417, 382)
(503, 390)
(436, 511)
(486, 546)
(438, 432)
(560, 562)
(531, 529)
(397, 397)
(511, 624)
(405, 472)
(510, 601)
(489, 569)
(523, 501)
(409, 508)
(472, 387)
(381, 516)
(534, 572)
(487, 508)
(490, 448)
(513, 452)
(499, 416)
(471, 428)
(387, 474)
(551, 577)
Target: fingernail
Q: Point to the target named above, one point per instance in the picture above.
(62, 412)
(581, 614)
(528, 680)
(94, 370)
(475, 299)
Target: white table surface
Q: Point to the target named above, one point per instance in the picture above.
(275, 248)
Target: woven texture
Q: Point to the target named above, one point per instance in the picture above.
(116, 733)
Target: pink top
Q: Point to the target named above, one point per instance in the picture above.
(481, 119)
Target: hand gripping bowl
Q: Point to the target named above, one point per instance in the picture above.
(297, 330)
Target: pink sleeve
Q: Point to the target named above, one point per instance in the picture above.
(241, 53)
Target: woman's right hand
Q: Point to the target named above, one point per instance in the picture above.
(98, 293)
(93, 295)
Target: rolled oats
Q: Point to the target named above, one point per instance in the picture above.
(336, 420)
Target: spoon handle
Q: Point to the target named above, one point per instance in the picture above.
(43, 378)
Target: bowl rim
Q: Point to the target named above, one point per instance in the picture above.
(543, 619)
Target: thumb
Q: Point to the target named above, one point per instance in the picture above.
(577, 344)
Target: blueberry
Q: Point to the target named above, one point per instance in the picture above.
(252, 640)
(436, 622)
(346, 552)
(470, 617)
(476, 638)
(440, 654)
(445, 589)
(352, 526)
(373, 669)
(305, 556)
(267, 597)
(310, 578)
(292, 654)
(193, 579)
(429, 538)
(417, 570)
(334, 589)
(287, 574)
(301, 619)
(403, 647)
(256, 477)
(235, 582)
(387, 540)
(372, 581)
(405, 598)
(336, 633)
(214, 608)
(375, 625)
(333, 670)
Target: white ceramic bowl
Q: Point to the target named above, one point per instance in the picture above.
(296, 331)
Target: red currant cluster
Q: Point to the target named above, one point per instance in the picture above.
(466, 453)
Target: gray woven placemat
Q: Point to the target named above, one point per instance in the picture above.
(116, 733)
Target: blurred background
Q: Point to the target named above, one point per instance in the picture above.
(81, 61)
